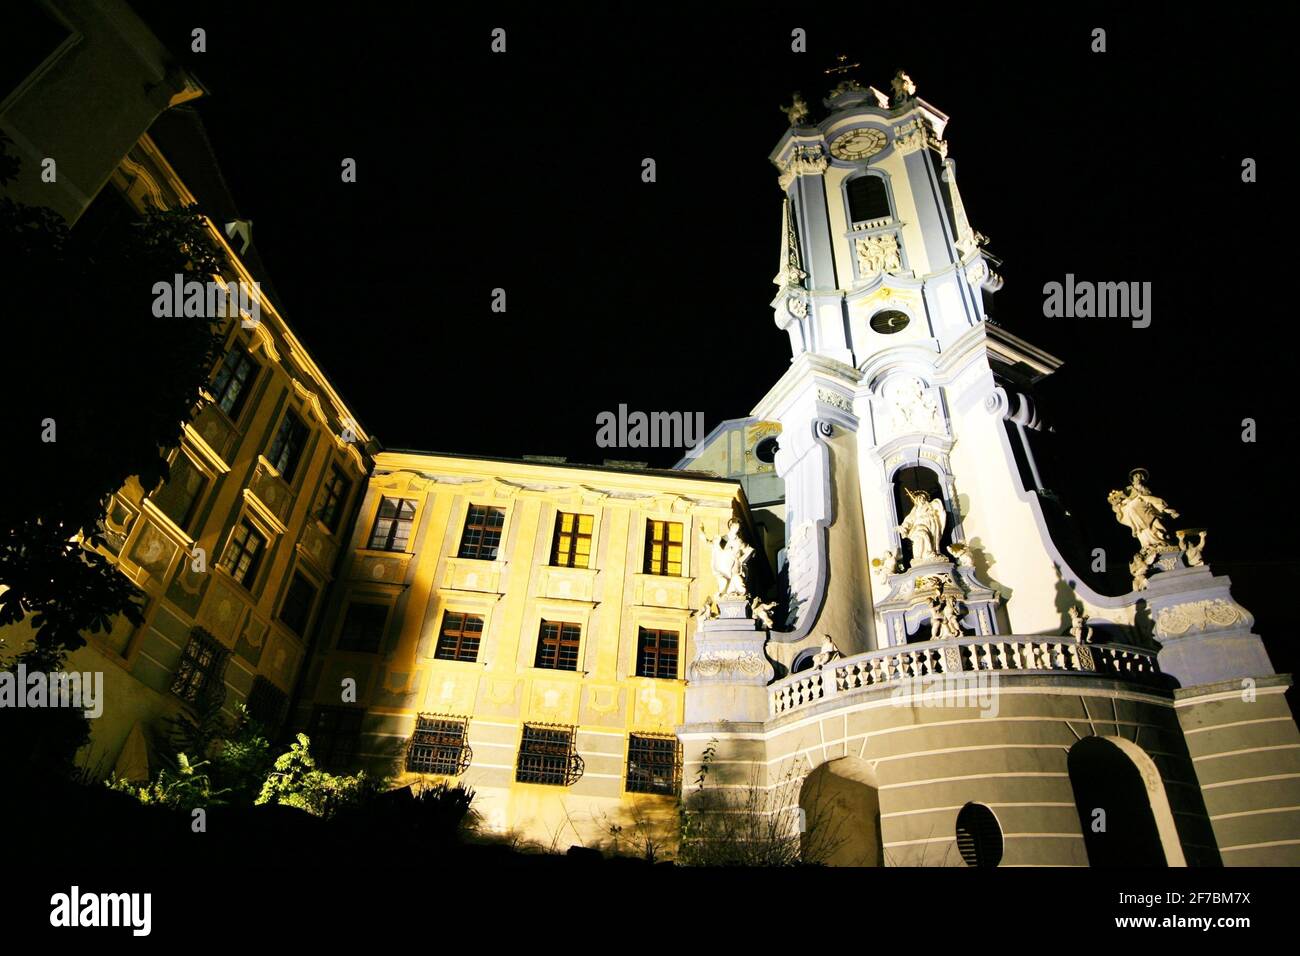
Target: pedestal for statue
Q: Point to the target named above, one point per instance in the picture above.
(728, 677)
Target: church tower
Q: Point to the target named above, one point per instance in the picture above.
(918, 567)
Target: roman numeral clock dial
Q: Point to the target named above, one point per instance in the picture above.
(858, 144)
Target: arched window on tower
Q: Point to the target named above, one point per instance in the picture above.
(868, 199)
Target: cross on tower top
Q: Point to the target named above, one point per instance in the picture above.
(844, 66)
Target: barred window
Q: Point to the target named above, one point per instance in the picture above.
(572, 545)
(333, 496)
(266, 704)
(363, 627)
(234, 380)
(547, 755)
(663, 547)
(299, 599)
(482, 535)
(656, 653)
(439, 746)
(286, 449)
(199, 678)
(557, 646)
(459, 638)
(392, 530)
(334, 732)
(244, 552)
(654, 764)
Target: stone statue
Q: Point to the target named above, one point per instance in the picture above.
(828, 653)
(708, 609)
(944, 619)
(1192, 552)
(1141, 512)
(1138, 568)
(1079, 628)
(797, 111)
(903, 87)
(885, 565)
(728, 560)
(924, 526)
(961, 552)
(762, 612)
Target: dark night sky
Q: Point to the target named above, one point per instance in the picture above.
(522, 171)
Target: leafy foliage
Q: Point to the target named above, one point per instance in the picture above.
(297, 782)
(182, 788)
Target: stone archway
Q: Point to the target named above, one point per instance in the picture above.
(1135, 826)
(840, 801)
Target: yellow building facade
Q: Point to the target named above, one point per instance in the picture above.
(524, 627)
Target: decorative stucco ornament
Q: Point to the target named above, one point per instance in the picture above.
(924, 526)
(877, 254)
(797, 111)
(1209, 615)
(912, 407)
(728, 559)
(828, 653)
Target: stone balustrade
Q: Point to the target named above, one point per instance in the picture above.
(1027, 655)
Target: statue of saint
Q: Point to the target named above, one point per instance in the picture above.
(728, 560)
(1142, 512)
(924, 526)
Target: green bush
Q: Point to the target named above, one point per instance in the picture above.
(297, 782)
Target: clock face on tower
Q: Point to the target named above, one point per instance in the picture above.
(858, 144)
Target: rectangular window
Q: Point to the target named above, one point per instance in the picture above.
(363, 627)
(266, 704)
(572, 545)
(656, 653)
(459, 638)
(546, 755)
(557, 646)
(438, 746)
(286, 449)
(178, 499)
(392, 530)
(295, 612)
(334, 732)
(663, 548)
(334, 495)
(244, 553)
(234, 380)
(653, 764)
(482, 535)
(199, 677)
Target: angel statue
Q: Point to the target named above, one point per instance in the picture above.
(828, 653)
(797, 111)
(1141, 512)
(728, 559)
(763, 612)
(1080, 629)
(924, 526)
(944, 619)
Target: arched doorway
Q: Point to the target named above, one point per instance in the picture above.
(841, 815)
(1123, 810)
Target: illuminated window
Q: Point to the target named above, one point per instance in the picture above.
(363, 627)
(459, 638)
(234, 380)
(572, 545)
(482, 535)
(653, 764)
(244, 553)
(334, 732)
(295, 612)
(266, 704)
(663, 547)
(392, 530)
(656, 653)
(557, 646)
(286, 450)
(438, 746)
(198, 678)
(546, 755)
(334, 495)
(868, 199)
